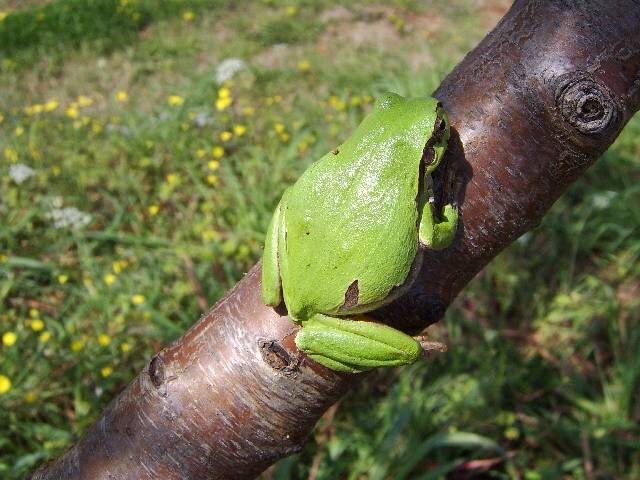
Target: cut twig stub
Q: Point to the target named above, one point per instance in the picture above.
(276, 356)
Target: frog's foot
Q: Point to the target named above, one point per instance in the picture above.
(438, 235)
(353, 345)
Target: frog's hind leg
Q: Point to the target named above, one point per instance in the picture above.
(438, 235)
(271, 282)
(353, 345)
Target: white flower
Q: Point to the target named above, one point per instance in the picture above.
(20, 172)
(602, 200)
(69, 217)
(123, 129)
(228, 68)
(56, 202)
(202, 120)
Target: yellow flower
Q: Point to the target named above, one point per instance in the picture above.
(122, 96)
(51, 105)
(106, 372)
(137, 299)
(62, 279)
(356, 101)
(30, 397)
(34, 313)
(104, 340)
(37, 325)
(217, 152)
(125, 347)
(19, 131)
(30, 110)
(226, 136)
(119, 265)
(512, 433)
(213, 165)
(5, 384)
(77, 345)
(284, 136)
(72, 111)
(279, 127)
(224, 92)
(200, 153)
(239, 130)
(248, 111)
(175, 100)
(84, 101)
(188, 16)
(336, 103)
(223, 103)
(153, 210)
(3, 258)
(9, 338)
(291, 10)
(172, 178)
(56, 170)
(10, 154)
(109, 279)
(1, 118)
(212, 180)
(304, 65)
(209, 235)
(44, 337)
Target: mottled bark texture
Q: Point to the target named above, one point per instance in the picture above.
(533, 106)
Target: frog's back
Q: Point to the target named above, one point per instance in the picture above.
(351, 219)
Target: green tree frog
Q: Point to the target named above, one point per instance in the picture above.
(348, 236)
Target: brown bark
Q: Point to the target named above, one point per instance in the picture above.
(533, 106)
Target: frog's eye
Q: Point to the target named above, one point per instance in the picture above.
(441, 125)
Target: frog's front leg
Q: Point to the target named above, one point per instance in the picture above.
(351, 345)
(438, 235)
(271, 281)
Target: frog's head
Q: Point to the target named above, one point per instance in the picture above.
(437, 143)
(423, 114)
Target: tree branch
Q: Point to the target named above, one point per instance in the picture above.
(532, 107)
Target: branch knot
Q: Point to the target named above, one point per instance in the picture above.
(586, 104)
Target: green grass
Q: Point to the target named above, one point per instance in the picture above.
(52, 28)
(542, 377)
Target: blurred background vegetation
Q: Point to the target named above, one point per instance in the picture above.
(143, 145)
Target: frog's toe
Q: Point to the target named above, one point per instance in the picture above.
(445, 231)
(438, 235)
